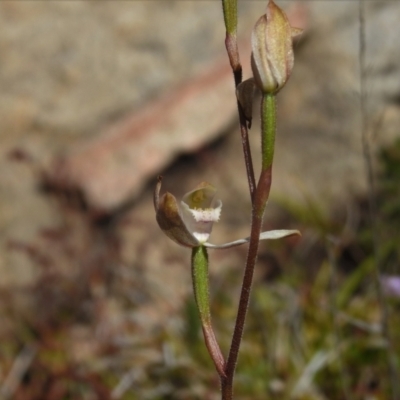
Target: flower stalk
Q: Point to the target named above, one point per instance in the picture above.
(268, 128)
(202, 297)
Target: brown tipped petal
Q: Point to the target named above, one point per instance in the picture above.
(171, 223)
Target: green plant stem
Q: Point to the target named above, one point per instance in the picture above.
(268, 121)
(268, 128)
(202, 297)
(230, 15)
(229, 8)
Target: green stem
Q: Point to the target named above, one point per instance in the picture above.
(202, 297)
(268, 129)
(230, 16)
(229, 8)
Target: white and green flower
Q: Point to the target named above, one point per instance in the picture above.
(190, 223)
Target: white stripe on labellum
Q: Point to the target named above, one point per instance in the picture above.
(208, 214)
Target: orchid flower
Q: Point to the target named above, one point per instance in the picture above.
(190, 223)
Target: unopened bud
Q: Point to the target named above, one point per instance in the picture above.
(272, 58)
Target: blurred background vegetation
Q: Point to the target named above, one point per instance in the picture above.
(95, 302)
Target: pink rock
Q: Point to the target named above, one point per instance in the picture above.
(113, 167)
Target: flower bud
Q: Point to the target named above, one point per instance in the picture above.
(272, 56)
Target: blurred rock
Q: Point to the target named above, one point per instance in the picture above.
(114, 167)
(71, 69)
(319, 151)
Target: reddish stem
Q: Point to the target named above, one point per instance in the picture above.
(261, 195)
(214, 350)
(233, 54)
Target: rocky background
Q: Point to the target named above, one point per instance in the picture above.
(98, 98)
(103, 96)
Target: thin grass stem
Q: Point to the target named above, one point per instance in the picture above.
(332, 250)
(372, 206)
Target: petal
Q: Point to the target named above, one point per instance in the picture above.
(200, 210)
(201, 196)
(169, 219)
(205, 215)
(279, 234)
(268, 235)
(200, 221)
